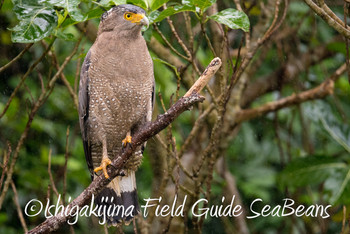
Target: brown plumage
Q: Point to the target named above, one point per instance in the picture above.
(116, 98)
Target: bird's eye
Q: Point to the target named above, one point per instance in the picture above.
(127, 16)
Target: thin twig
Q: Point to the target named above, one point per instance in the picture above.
(195, 129)
(77, 73)
(71, 91)
(66, 155)
(18, 207)
(3, 68)
(169, 44)
(146, 132)
(179, 40)
(344, 220)
(324, 6)
(53, 186)
(177, 179)
(318, 92)
(204, 31)
(41, 100)
(24, 77)
(134, 226)
(5, 163)
(328, 18)
(347, 43)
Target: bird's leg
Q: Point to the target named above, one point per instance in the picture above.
(127, 139)
(105, 161)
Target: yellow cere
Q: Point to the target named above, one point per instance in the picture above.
(133, 17)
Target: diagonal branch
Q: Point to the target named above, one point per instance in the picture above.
(3, 68)
(329, 19)
(321, 91)
(147, 131)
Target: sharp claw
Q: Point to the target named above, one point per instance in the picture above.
(105, 162)
(126, 141)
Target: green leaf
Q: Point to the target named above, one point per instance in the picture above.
(155, 4)
(95, 13)
(232, 18)
(202, 4)
(338, 186)
(71, 6)
(340, 132)
(119, 2)
(36, 22)
(309, 170)
(141, 3)
(155, 59)
(64, 36)
(157, 16)
(104, 3)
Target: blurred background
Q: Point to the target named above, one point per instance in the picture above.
(274, 125)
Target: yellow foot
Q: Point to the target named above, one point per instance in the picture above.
(105, 162)
(126, 141)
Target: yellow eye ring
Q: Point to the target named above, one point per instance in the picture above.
(127, 16)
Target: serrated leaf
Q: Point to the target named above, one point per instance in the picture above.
(157, 16)
(232, 18)
(36, 22)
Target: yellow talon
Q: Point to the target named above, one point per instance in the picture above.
(105, 162)
(126, 140)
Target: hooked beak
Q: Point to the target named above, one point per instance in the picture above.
(140, 19)
(144, 21)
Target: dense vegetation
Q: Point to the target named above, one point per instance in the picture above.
(274, 125)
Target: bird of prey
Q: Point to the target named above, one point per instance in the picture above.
(116, 94)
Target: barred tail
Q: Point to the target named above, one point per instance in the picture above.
(120, 199)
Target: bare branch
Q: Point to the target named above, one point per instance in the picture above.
(53, 186)
(18, 207)
(320, 91)
(5, 164)
(212, 68)
(24, 77)
(66, 155)
(146, 132)
(41, 100)
(333, 22)
(3, 68)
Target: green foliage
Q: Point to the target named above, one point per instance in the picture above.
(321, 113)
(301, 151)
(310, 170)
(36, 21)
(232, 18)
(157, 16)
(40, 19)
(156, 4)
(201, 4)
